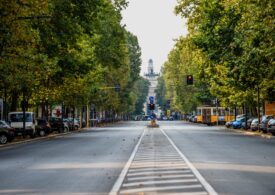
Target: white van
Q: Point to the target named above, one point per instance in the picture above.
(16, 121)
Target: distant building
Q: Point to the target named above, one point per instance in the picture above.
(150, 70)
(153, 78)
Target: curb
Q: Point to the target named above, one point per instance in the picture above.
(251, 133)
(40, 138)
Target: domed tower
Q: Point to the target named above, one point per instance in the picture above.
(150, 67)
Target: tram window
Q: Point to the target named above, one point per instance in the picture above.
(199, 112)
(214, 112)
(221, 112)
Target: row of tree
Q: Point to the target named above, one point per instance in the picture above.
(229, 50)
(71, 52)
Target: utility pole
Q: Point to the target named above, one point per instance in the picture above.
(258, 102)
(217, 111)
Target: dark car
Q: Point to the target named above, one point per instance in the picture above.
(43, 127)
(69, 123)
(263, 124)
(271, 126)
(248, 123)
(6, 132)
(57, 124)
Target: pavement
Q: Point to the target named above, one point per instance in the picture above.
(91, 161)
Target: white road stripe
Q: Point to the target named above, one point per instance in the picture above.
(158, 165)
(206, 185)
(159, 160)
(159, 188)
(160, 177)
(123, 173)
(186, 193)
(174, 181)
(157, 169)
(153, 172)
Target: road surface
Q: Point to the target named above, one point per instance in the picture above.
(129, 158)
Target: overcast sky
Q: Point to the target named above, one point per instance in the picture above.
(156, 26)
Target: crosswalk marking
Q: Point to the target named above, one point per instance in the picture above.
(160, 177)
(154, 172)
(160, 182)
(162, 188)
(158, 167)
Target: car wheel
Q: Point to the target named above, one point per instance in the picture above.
(42, 133)
(273, 133)
(3, 139)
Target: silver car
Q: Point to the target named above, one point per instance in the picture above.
(254, 124)
(271, 126)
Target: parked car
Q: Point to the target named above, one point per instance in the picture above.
(164, 118)
(57, 124)
(69, 123)
(248, 123)
(264, 122)
(228, 124)
(171, 118)
(271, 126)
(75, 123)
(16, 121)
(43, 127)
(6, 132)
(254, 124)
(237, 124)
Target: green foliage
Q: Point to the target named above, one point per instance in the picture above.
(229, 50)
(141, 89)
(68, 51)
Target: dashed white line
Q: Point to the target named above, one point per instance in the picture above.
(123, 173)
(162, 188)
(160, 176)
(159, 182)
(206, 185)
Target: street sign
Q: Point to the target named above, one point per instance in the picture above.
(151, 99)
(117, 87)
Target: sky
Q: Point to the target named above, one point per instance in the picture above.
(156, 27)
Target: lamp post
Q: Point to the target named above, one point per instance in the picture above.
(24, 104)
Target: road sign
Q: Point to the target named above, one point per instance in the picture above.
(151, 98)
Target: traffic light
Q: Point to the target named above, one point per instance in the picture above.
(189, 79)
(151, 106)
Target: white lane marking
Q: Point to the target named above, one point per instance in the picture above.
(174, 181)
(186, 193)
(158, 169)
(160, 177)
(153, 172)
(159, 160)
(159, 188)
(206, 185)
(158, 165)
(123, 173)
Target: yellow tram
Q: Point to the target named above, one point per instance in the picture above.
(210, 115)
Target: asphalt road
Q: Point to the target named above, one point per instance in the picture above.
(90, 162)
(81, 163)
(232, 162)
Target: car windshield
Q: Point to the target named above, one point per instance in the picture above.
(18, 117)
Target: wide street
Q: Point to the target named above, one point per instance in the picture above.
(128, 158)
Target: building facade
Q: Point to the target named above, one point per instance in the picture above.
(153, 79)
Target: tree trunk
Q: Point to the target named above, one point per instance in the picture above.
(14, 99)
